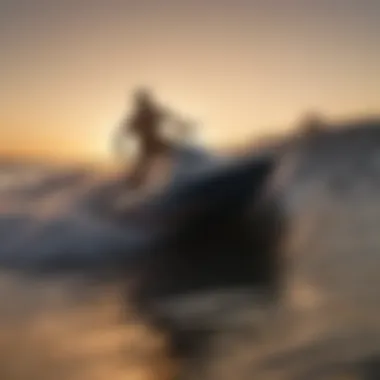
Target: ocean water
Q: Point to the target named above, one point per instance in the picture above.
(74, 327)
(69, 326)
(49, 210)
(45, 211)
(65, 324)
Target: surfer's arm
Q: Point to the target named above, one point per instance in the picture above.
(179, 125)
(172, 118)
(166, 113)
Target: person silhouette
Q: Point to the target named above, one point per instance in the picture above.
(145, 124)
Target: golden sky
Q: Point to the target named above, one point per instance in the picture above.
(241, 67)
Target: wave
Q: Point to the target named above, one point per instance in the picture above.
(51, 214)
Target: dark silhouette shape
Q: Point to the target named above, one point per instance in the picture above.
(145, 124)
(204, 202)
(219, 231)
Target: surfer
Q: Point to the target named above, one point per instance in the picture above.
(145, 124)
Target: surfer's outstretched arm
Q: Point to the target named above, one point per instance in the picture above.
(178, 124)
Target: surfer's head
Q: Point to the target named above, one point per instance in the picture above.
(143, 96)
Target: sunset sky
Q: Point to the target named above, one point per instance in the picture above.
(241, 67)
